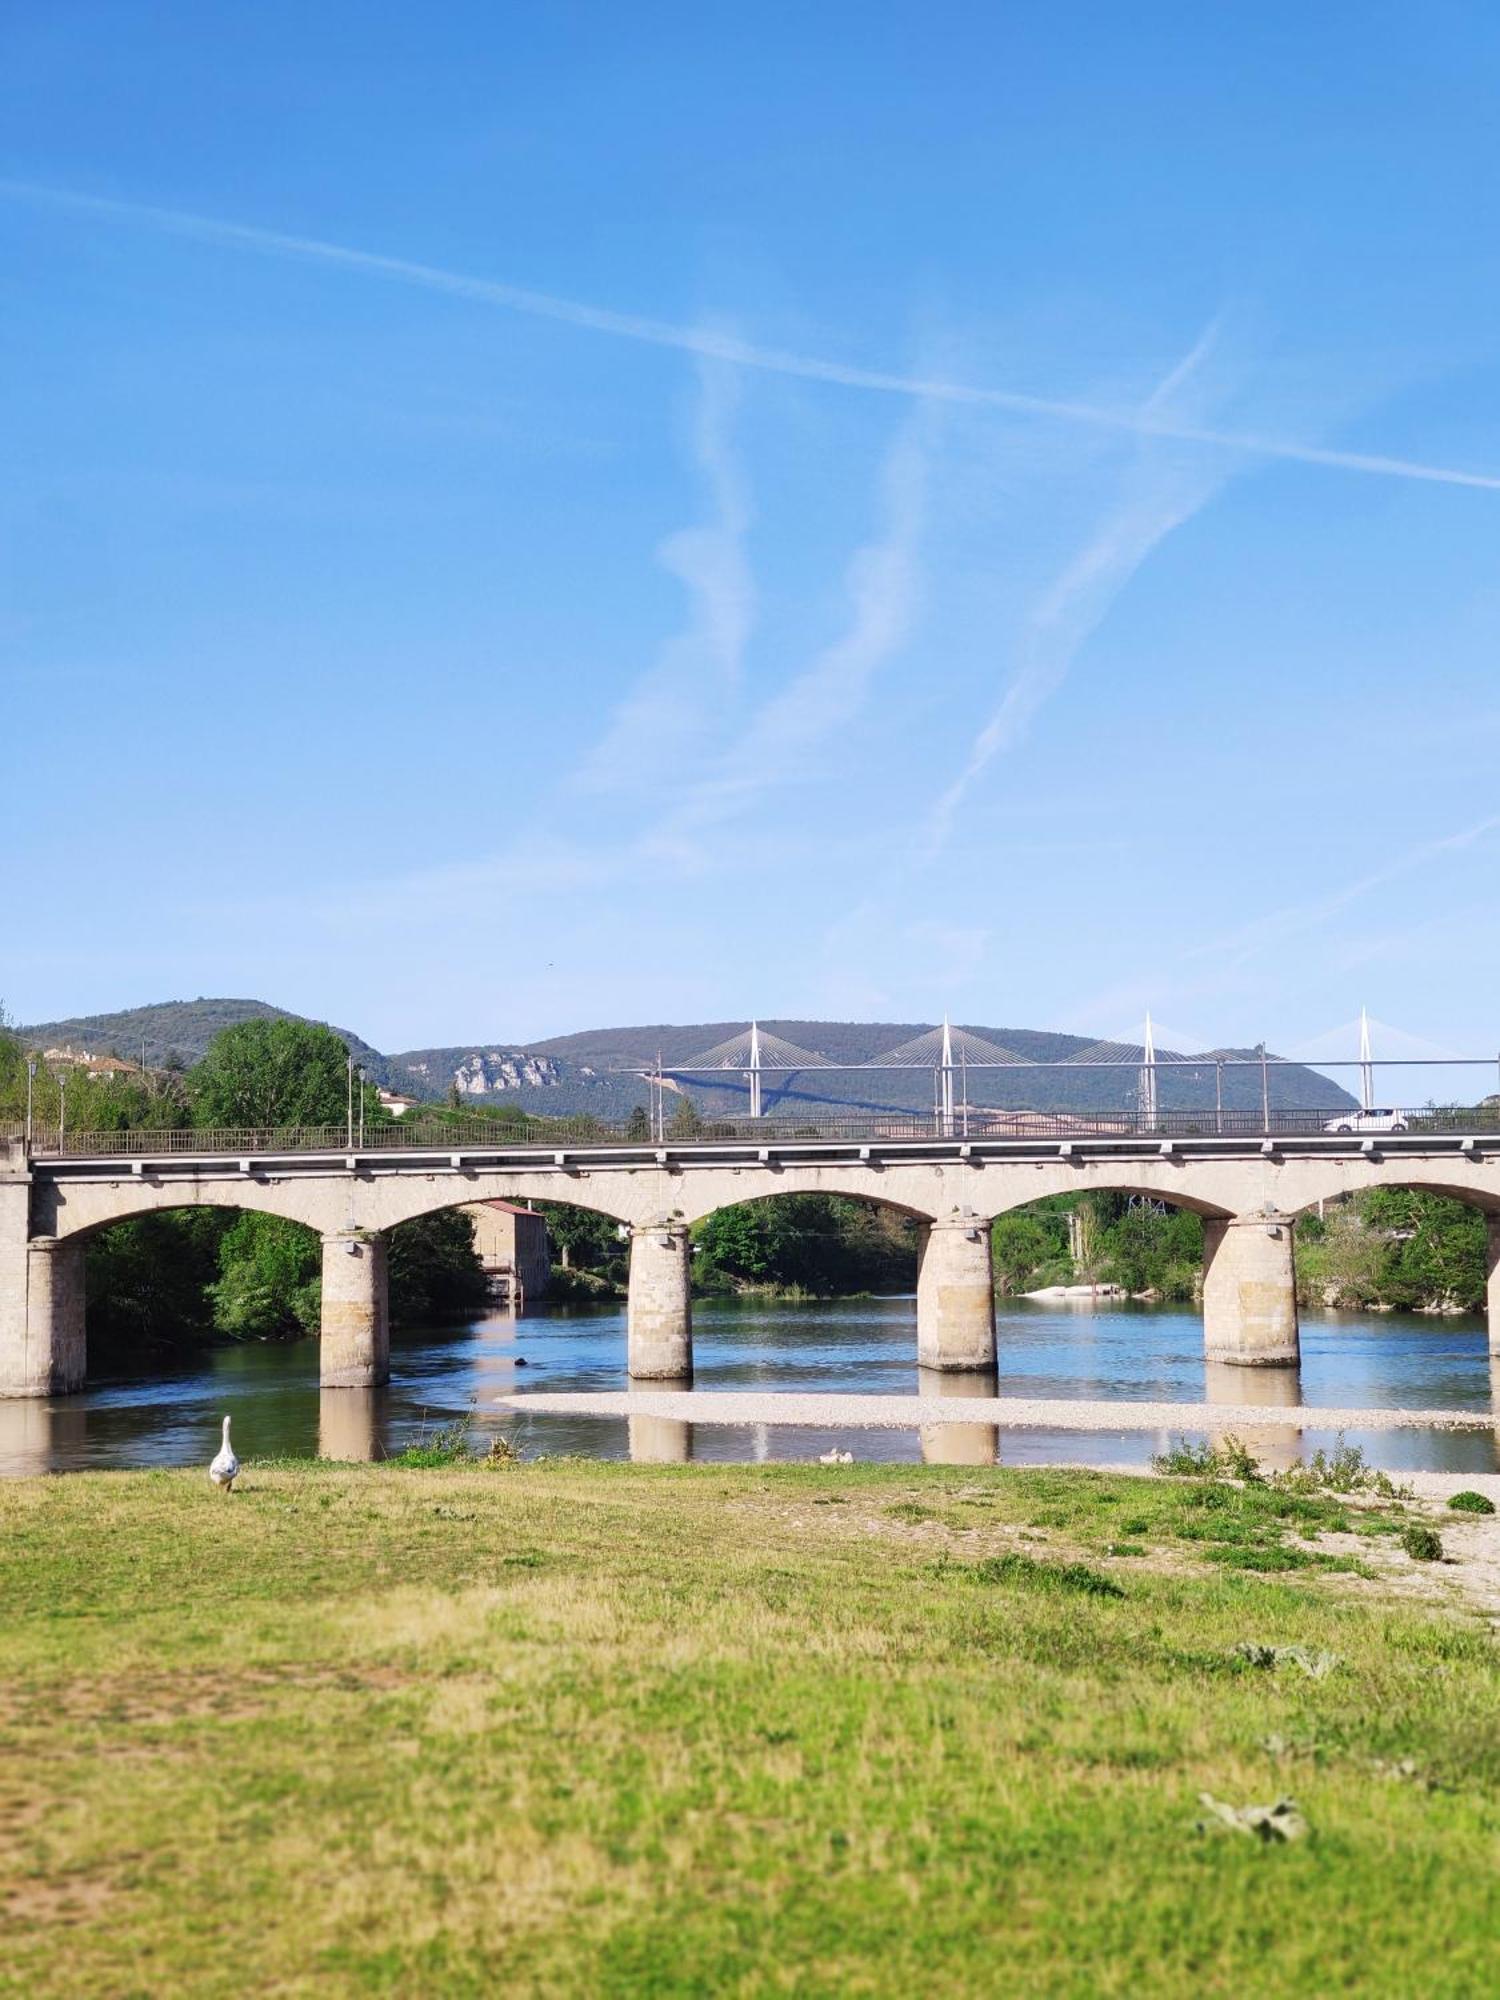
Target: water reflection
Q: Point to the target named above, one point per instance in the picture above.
(349, 1423)
(1278, 1446)
(661, 1440)
(169, 1414)
(38, 1436)
(957, 1444)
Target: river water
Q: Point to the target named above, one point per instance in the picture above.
(170, 1415)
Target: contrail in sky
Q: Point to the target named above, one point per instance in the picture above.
(722, 346)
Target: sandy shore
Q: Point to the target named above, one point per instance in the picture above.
(835, 1412)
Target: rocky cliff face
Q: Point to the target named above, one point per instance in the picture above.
(490, 1073)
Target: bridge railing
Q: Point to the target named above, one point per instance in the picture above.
(480, 1134)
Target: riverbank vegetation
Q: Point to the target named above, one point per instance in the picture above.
(1397, 1249)
(1099, 1239)
(590, 1728)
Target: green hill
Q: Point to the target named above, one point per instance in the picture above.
(598, 1070)
(166, 1028)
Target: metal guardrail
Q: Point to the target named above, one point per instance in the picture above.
(430, 1135)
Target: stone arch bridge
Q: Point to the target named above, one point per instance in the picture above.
(1249, 1191)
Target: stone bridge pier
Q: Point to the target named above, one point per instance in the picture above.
(956, 1297)
(354, 1335)
(659, 1307)
(1250, 1291)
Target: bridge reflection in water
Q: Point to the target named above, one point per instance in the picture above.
(957, 1444)
(662, 1440)
(352, 1424)
(1276, 1446)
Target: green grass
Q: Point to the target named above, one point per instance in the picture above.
(595, 1729)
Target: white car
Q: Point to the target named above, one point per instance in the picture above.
(1367, 1121)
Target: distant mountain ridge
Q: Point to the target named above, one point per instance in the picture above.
(174, 1027)
(598, 1070)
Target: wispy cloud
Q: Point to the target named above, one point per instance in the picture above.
(722, 346)
(1295, 919)
(1159, 495)
(699, 670)
(783, 740)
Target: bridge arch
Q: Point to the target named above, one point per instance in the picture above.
(88, 1209)
(1307, 1191)
(1212, 1203)
(332, 1203)
(918, 1193)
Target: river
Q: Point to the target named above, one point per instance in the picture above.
(169, 1415)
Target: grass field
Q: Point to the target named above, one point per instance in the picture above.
(599, 1729)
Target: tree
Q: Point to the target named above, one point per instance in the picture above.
(147, 1280)
(274, 1073)
(581, 1239)
(638, 1125)
(270, 1279)
(1030, 1247)
(686, 1121)
(434, 1267)
(827, 1244)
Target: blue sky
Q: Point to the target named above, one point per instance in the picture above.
(522, 519)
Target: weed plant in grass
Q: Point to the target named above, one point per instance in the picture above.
(601, 1729)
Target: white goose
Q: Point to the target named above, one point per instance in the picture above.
(225, 1469)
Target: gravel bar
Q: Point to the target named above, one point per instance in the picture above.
(835, 1412)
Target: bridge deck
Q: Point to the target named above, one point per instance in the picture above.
(144, 1158)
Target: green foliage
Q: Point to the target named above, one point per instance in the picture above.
(686, 1121)
(1111, 1240)
(1470, 1502)
(433, 1267)
(638, 1124)
(1421, 1543)
(1343, 1470)
(269, 1285)
(1398, 1247)
(1225, 1459)
(818, 1243)
(183, 1027)
(147, 1280)
(274, 1073)
(1146, 1249)
(584, 1240)
(1030, 1247)
(450, 1445)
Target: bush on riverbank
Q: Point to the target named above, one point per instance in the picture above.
(1394, 1247)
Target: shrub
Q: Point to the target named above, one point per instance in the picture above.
(1343, 1470)
(449, 1446)
(1228, 1459)
(1421, 1543)
(1469, 1502)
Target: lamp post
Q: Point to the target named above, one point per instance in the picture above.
(361, 1108)
(62, 1107)
(30, 1097)
(349, 1111)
